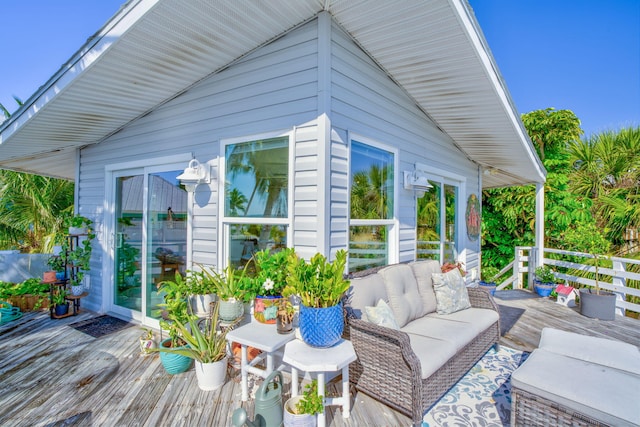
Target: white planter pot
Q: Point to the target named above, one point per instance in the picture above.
(200, 304)
(297, 420)
(211, 376)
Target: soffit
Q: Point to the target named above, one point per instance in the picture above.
(152, 50)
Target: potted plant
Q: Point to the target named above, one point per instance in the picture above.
(79, 225)
(284, 321)
(174, 308)
(545, 281)
(57, 264)
(147, 341)
(206, 345)
(488, 283)
(320, 284)
(269, 281)
(202, 289)
(228, 287)
(301, 411)
(60, 303)
(29, 295)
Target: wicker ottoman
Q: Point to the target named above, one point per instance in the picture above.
(575, 380)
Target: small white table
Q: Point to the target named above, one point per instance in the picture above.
(264, 337)
(311, 359)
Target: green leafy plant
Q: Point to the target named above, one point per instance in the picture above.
(175, 307)
(310, 403)
(205, 345)
(319, 283)
(228, 284)
(271, 271)
(545, 274)
(56, 263)
(31, 286)
(79, 221)
(59, 297)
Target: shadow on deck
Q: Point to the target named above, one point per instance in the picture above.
(54, 375)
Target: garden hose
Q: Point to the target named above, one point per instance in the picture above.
(8, 312)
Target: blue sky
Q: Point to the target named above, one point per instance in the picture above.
(581, 55)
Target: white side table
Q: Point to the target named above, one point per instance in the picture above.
(264, 337)
(311, 359)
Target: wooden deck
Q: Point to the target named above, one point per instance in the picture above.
(54, 375)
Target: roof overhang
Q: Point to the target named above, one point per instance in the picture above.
(152, 50)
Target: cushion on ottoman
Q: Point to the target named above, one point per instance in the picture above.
(606, 352)
(596, 391)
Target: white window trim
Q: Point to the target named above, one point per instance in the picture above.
(224, 221)
(394, 235)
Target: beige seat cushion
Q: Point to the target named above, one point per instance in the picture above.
(402, 290)
(452, 331)
(365, 291)
(432, 353)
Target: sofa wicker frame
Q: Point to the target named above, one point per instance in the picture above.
(388, 370)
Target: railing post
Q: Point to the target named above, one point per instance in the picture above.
(619, 266)
(517, 268)
(534, 260)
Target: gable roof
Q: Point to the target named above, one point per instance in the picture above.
(152, 50)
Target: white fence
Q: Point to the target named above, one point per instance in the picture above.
(614, 273)
(16, 267)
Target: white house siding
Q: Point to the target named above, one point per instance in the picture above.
(367, 102)
(272, 89)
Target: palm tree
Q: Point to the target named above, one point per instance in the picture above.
(33, 210)
(607, 171)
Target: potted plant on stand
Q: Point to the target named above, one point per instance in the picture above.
(228, 287)
(320, 284)
(545, 281)
(207, 345)
(57, 264)
(301, 411)
(270, 278)
(202, 289)
(174, 308)
(60, 303)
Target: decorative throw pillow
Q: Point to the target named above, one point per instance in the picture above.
(381, 315)
(451, 292)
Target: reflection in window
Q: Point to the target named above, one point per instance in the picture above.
(437, 238)
(372, 201)
(247, 239)
(257, 178)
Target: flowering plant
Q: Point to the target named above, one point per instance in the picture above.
(271, 271)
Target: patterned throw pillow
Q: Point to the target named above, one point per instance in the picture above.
(381, 315)
(451, 292)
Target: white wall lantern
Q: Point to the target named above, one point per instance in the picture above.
(415, 180)
(193, 175)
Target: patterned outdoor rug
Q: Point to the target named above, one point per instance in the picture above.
(483, 396)
(101, 325)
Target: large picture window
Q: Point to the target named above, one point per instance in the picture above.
(372, 206)
(256, 202)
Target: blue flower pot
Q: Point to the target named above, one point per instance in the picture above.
(174, 363)
(321, 327)
(544, 289)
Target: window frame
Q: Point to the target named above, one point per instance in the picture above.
(392, 223)
(224, 221)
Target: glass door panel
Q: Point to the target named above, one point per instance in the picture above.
(128, 241)
(166, 235)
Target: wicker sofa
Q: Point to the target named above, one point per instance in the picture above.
(410, 368)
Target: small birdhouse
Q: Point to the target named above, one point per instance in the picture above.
(566, 295)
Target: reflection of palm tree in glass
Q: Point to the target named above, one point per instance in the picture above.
(237, 202)
(369, 194)
(429, 222)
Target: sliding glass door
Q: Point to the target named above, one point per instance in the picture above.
(149, 238)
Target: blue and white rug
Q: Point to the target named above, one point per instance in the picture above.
(482, 397)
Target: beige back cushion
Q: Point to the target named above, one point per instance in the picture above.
(402, 289)
(365, 291)
(423, 270)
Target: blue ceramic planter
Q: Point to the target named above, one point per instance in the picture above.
(321, 327)
(544, 289)
(174, 363)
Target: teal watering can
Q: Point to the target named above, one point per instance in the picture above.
(268, 405)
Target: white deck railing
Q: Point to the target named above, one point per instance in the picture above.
(615, 274)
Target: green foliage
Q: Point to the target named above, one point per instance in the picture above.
(33, 211)
(206, 345)
(175, 306)
(227, 285)
(310, 403)
(59, 296)
(271, 271)
(31, 286)
(319, 283)
(56, 263)
(545, 274)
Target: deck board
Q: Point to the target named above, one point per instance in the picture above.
(51, 373)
